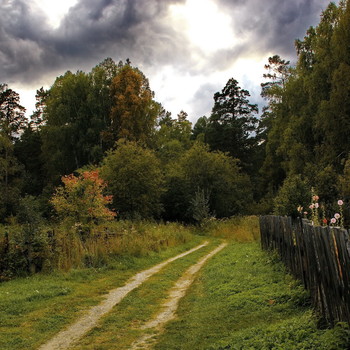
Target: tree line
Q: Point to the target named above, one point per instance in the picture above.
(160, 166)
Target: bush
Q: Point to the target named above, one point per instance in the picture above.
(81, 199)
(135, 180)
(294, 192)
(218, 175)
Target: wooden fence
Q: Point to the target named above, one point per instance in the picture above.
(318, 256)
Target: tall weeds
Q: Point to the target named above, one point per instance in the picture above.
(239, 229)
(64, 247)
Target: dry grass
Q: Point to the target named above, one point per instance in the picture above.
(240, 229)
(117, 239)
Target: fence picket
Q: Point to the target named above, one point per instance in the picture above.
(318, 256)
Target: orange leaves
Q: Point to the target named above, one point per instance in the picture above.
(81, 198)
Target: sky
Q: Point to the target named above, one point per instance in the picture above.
(188, 49)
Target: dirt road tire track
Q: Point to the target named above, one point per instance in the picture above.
(66, 338)
(168, 309)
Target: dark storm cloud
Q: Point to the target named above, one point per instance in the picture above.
(91, 31)
(204, 100)
(141, 31)
(273, 25)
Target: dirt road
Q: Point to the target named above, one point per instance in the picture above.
(68, 337)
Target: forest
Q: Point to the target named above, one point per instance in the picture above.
(100, 149)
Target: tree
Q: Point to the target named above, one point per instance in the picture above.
(200, 129)
(278, 73)
(173, 136)
(134, 112)
(226, 188)
(12, 118)
(135, 179)
(28, 152)
(12, 122)
(75, 116)
(232, 123)
(294, 192)
(81, 199)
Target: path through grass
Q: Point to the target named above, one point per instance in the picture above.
(34, 309)
(243, 299)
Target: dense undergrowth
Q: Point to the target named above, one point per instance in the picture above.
(24, 251)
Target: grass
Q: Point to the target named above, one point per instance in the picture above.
(120, 328)
(243, 299)
(68, 246)
(239, 229)
(35, 308)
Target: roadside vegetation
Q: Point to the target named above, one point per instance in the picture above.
(34, 308)
(245, 299)
(241, 299)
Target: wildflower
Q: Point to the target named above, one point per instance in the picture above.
(340, 202)
(300, 208)
(312, 206)
(316, 205)
(315, 198)
(305, 213)
(333, 220)
(325, 221)
(337, 216)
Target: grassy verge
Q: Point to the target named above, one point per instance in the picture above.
(25, 248)
(243, 299)
(35, 308)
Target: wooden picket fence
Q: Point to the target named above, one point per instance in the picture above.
(319, 257)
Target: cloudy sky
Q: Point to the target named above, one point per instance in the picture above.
(187, 48)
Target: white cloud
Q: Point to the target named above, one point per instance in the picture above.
(205, 25)
(55, 10)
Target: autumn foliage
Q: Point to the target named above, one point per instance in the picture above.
(81, 198)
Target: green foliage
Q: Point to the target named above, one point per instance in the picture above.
(28, 153)
(213, 172)
(12, 122)
(232, 122)
(134, 179)
(75, 113)
(24, 248)
(308, 111)
(172, 137)
(199, 207)
(293, 193)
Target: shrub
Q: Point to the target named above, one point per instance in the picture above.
(135, 179)
(294, 192)
(81, 199)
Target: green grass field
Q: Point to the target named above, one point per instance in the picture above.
(241, 299)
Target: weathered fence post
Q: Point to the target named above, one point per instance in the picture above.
(318, 256)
